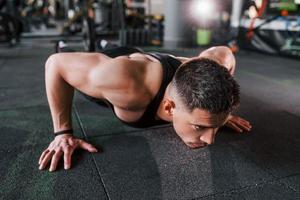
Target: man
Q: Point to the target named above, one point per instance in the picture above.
(143, 89)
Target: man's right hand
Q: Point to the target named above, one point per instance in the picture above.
(63, 145)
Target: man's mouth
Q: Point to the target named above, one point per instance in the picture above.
(196, 145)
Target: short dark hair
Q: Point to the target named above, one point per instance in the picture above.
(205, 84)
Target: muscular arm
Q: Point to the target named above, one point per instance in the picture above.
(59, 95)
(93, 74)
(220, 54)
(96, 75)
(63, 73)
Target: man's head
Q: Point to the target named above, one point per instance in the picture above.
(203, 94)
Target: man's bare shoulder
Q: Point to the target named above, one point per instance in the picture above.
(182, 59)
(121, 67)
(117, 74)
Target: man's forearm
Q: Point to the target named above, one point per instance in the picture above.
(59, 95)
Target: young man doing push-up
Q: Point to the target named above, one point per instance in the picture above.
(143, 89)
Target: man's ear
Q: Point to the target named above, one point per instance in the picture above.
(169, 106)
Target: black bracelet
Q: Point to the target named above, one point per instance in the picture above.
(69, 131)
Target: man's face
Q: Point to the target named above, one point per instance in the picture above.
(197, 128)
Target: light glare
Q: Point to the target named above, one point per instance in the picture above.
(203, 8)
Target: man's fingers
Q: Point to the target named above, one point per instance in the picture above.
(71, 141)
(244, 121)
(46, 159)
(235, 127)
(238, 124)
(43, 155)
(246, 127)
(67, 157)
(243, 124)
(84, 145)
(238, 119)
(55, 160)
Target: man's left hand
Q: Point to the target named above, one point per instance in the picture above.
(238, 124)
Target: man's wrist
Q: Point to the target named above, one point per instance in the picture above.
(66, 131)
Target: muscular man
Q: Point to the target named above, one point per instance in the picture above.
(196, 94)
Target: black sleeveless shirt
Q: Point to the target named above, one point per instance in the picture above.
(169, 64)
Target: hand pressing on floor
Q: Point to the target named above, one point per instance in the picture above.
(63, 146)
(238, 124)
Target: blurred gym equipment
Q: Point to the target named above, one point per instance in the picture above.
(133, 26)
(271, 26)
(10, 24)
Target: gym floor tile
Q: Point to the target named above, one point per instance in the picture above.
(273, 143)
(292, 182)
(26, 132)
(273, 190)
(22, 97)
(155, 164)
(28, 126)
(21, 178)
(271, 80)
(22, 82)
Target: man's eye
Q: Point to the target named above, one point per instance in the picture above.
(198, 128)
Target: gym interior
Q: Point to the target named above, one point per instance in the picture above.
(152, 163)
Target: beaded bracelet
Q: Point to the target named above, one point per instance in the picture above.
(69, 131)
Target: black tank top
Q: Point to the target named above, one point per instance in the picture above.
(169, 64)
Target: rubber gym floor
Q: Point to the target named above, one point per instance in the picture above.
(151, 163)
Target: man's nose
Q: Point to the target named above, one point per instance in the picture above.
(208, 137)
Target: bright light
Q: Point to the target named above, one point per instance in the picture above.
(252, 12)
(203, 8)
(71, 14)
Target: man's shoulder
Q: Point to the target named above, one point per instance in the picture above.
(119, 74)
